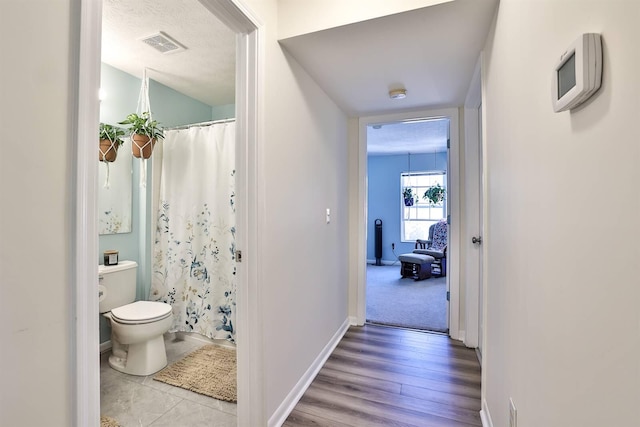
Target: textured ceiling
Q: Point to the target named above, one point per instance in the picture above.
(204, 71)
(430, 51)
(408, 137)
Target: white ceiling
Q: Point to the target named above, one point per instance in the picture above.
(204, 71)
(431, 52)
(408, 137)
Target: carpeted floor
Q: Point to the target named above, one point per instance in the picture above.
(392, 300)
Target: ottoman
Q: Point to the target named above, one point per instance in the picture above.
(416, 266)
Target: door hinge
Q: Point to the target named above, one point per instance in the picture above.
(238, 256)
(448, 296)
(448, 144)
(449, 219)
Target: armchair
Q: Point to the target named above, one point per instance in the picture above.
(436, 247)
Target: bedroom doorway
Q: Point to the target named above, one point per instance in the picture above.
(366, 222)
(407, 161)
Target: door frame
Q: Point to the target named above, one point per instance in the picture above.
(475, 200)
(249, 124)
(453, 201)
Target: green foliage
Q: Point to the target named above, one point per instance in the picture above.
(407, 193)
(434, 194)
(409, 198)
(112, 133)
(143, 125)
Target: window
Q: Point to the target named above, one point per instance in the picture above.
(418, 215)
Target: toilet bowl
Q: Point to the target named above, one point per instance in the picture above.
(137, 328)
(137, 337)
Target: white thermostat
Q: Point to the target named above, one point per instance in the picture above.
(578, 73)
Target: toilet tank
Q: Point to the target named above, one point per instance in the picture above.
(116, 285)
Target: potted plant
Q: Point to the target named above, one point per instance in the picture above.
(110, 140)
(144, 133)
(434, 194)
(407, 193)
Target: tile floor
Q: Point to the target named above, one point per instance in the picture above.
(141, 401)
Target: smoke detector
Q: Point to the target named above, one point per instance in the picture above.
(163, 43)
(398, 93)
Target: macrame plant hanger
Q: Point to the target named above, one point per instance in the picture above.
(103, 158)
(143, 106)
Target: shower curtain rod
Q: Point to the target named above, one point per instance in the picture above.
(213, 122)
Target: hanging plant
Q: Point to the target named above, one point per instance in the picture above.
(110, 140)
(144, 133)
(407, 193)
(434, 194)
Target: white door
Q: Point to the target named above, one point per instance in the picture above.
(481, 233)
(473, 215)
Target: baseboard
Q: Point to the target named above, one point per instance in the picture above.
(485, 417)
(384, 262)
(287, 405)
(479, 356)
(200, 339)
(105, 346)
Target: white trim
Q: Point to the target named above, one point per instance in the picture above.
(250, 205)
(282, 412)
(86, 395)
(471, 266)
(105, 346)
(384, 262)
(353, 321)
(485, 416)
(453, 257)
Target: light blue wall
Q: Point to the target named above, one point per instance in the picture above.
(170, 108)
(384, 197)
(220, 112)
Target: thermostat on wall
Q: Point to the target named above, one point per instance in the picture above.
(578, 73)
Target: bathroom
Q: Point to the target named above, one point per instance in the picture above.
(128, 196)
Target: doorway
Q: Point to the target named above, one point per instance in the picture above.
(407, 163)
(248, 66)
(365, 223)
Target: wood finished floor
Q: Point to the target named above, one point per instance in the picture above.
(380, 376)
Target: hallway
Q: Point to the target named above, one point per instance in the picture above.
(381, 376)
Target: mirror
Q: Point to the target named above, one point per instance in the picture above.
(114, 192)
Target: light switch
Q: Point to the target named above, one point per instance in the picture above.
(328, 215)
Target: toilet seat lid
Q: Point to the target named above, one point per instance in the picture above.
(141, 312)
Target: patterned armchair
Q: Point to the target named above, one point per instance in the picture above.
(436, 247)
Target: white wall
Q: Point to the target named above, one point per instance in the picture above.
(563, 291)
(302, 17)
(36, 166)
(304, 260)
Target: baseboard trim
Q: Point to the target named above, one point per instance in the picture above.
(384, 262)
(198, 338)
(353, 321)
(287, 405)
(485, 417)
(105, 346)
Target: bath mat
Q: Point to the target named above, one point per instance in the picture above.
(210, 370)
(108, 422)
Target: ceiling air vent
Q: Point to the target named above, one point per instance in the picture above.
(163, 43)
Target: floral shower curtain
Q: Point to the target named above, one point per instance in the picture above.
(193, 257)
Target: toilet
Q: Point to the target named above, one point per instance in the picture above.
(137, 328)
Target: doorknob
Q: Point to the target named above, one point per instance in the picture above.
(476, 240)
